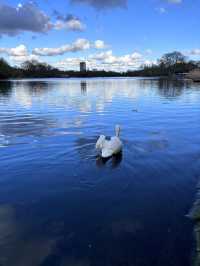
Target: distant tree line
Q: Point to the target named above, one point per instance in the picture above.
(169, 64)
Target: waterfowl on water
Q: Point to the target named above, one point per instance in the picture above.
(110, 147)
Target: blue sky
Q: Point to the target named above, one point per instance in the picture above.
(109, 34)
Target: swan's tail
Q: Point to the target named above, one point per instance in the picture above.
(117, 130)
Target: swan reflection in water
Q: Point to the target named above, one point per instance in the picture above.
(115, 160)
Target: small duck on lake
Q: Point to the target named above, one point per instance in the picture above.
(110, 147)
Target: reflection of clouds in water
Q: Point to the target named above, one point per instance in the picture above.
(26, 125)
(68, 123)
(71, 93)
(4, 141)
(25, 92)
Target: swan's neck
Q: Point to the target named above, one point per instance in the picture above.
(117, 131)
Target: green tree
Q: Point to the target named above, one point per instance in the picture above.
(5, 69)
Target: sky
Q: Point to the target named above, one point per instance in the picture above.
(107, 34)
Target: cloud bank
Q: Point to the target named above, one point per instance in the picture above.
(29, 18)
(105, 60)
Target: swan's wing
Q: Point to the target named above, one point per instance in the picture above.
(106, 153)
(115, 145)
(100, 142)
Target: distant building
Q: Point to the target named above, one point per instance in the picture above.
(83, 66)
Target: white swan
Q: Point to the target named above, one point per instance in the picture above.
(110, 147)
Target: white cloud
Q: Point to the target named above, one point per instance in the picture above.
(69, 23)
(99, 44)
(150, 62)
(78, 45)
(21, 59)
(193, 52)
(101, 56)
(18, 54)
(108, 58)
(20, 50)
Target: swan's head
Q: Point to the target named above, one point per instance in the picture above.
(117, 130)
(100, 142)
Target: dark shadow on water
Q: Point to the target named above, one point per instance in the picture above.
(115, 160)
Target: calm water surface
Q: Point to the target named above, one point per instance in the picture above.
(61, 205)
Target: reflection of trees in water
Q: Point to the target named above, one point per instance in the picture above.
(24, 90)
(34, 87)
(171, 89)
(5, 88)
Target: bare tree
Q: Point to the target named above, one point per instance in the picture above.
(173, 58)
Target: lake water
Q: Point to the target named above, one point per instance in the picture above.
(61, 205)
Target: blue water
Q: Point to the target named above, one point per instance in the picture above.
(61, 205)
